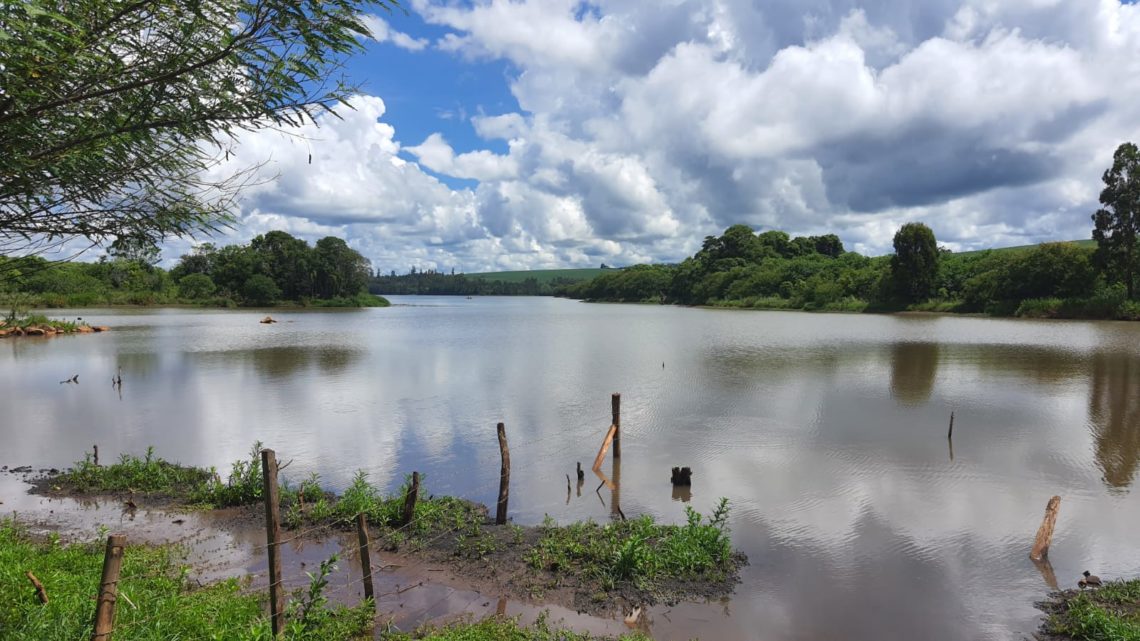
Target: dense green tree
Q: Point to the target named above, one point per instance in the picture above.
(260, 289)
(110, 111)
(828, 245)
(1117, 223)
(339, 270)
(288, 261)
(196, 286)
(914, 267)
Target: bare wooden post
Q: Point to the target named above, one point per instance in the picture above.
(41, 593)
(108, 588)
(950, 434)
(273, 540)
(96, 446)
(410, 500)
(615, 406)
(504, 476)
(1045, 532)
(605, 448)
(365, 560)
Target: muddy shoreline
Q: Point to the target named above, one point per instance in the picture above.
(436, 581)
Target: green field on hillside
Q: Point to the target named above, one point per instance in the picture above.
(1090, 243)
(542, 275)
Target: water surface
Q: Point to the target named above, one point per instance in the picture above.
(826, 432)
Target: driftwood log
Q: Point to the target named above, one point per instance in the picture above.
(1045, 532)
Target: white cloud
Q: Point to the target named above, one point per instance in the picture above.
(383, 32)
(644, 127)
(435, 154)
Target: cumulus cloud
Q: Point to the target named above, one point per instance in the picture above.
(643, 127)
(383, 32)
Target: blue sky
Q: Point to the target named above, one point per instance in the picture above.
(514, 134)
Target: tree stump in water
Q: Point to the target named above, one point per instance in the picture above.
(682, 476)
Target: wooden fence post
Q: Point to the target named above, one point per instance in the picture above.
(108, 588)
(41, 593)
(615, 406)
(96, 447)
(365, 560)
(1045, 532)
(410, 500)
(505, 476)
(273, 540)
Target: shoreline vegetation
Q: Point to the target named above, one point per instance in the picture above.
(274, 269)
(40, 325)
(773, 271)
(1110, 612)
(595, 568)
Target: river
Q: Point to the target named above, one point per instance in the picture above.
(827, 433)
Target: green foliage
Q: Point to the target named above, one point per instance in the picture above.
(111, 112)
(1117, 224)
(914, 266)
(528, 283)
(773, 271)
(638, 550)
(1105, 614)
(243, 487)
(273, 267)
(131, 473)
(260, 289)
(196, 286)
(157, 600)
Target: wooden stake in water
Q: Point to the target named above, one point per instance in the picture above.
(272, 540)
(1045, 532)
(950, 434)
(365, 559)
(410, 500)
(615, 408)
(504, 476)
(108, 588)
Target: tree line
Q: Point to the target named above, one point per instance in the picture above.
(273, 268)
(435, 283)
(770, 270)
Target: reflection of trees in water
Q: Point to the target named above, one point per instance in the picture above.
(914, 367)
(1114, 407)
(280, 362)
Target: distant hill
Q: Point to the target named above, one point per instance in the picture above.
(1083, 243)
(541, 275)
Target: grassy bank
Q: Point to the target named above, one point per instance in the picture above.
(1110, 613)
(594, 567)
(156, 601)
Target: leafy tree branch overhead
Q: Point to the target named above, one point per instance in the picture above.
(111, 111)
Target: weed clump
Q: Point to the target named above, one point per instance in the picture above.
(1111, 612)
(640, 550)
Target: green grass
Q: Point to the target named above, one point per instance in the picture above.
(154, 475)
(1081, 243)
(149, 474)
(639, 550)
(543, 275)
(502, 629)
(432, 514)
(156, 600)
(1111, 613)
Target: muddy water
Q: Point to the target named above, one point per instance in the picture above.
(826, 432)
